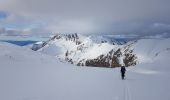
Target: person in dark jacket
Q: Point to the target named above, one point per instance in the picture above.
(123, 70)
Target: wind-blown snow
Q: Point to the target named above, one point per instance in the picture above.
(29, 75)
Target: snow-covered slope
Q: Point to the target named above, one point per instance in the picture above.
(30, 75)
(148, 50)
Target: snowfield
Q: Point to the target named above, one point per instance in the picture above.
(148, 50)
(30, 75)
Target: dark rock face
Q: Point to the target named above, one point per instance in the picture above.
(98, 62)
(130, 60)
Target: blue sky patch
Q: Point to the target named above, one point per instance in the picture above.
(3, 15)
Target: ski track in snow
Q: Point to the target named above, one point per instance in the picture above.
(126, 91)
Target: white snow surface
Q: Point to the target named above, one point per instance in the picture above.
(29, 75)
(148, 50)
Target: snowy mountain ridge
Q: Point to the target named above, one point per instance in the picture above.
(101, 51)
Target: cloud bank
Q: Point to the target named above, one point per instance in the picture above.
(139, 17)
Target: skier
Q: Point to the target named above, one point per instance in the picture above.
(123, 70)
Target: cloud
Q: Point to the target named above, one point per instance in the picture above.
(12, 32)
(89, 16)
(16, 24)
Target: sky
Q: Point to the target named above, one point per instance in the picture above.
(124, 17)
